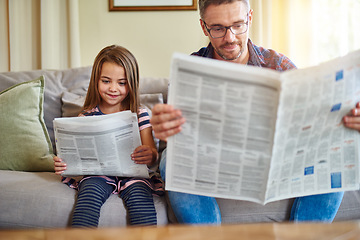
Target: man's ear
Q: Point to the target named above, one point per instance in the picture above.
(250, 16)
(203, 28)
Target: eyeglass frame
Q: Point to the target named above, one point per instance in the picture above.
(228, 27)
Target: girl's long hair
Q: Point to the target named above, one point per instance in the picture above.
(124, 58)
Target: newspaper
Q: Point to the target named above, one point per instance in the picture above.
(99, 145)
(259, 135)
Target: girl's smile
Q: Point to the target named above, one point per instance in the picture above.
(113, 96)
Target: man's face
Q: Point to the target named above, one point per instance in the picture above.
(230, 47)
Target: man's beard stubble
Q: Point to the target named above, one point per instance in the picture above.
(229, 44)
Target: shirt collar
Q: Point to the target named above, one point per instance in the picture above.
(254, 58)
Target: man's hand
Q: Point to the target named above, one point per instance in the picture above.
(353, 119)
(166, 121)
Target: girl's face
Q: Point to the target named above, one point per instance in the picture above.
(113, 88)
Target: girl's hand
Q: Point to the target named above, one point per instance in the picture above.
(353, 119)
(59, 165)
(143, 155)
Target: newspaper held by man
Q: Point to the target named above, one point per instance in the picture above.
(260, 135)
(99, 145)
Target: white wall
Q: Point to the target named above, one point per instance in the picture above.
(153, 36)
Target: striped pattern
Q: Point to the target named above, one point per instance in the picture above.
(154, 183)
(139, 202)
(144, 119)
(93, 192)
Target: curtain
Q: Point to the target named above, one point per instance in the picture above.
(39, 34)
(307, 31)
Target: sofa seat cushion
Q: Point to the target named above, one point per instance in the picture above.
(40, 200)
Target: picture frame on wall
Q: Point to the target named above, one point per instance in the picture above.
(152, 5)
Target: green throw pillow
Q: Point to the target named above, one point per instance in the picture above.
(24, 142)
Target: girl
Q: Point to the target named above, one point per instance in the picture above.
(113, 88)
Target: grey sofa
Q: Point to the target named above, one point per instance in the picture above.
(38, 199)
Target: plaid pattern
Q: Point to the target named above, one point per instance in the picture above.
(258, 56)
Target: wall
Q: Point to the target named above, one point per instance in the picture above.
(153, 36)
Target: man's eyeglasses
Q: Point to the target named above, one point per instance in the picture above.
(220, 31)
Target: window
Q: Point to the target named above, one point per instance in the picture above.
(336, 28)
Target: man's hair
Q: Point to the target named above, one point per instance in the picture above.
(203, 4)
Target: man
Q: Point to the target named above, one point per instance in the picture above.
(227, 24)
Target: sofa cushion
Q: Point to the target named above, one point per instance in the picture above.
(71, 104)
(150, 99)
(40, 200)
(25, 143)
(150, 85)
